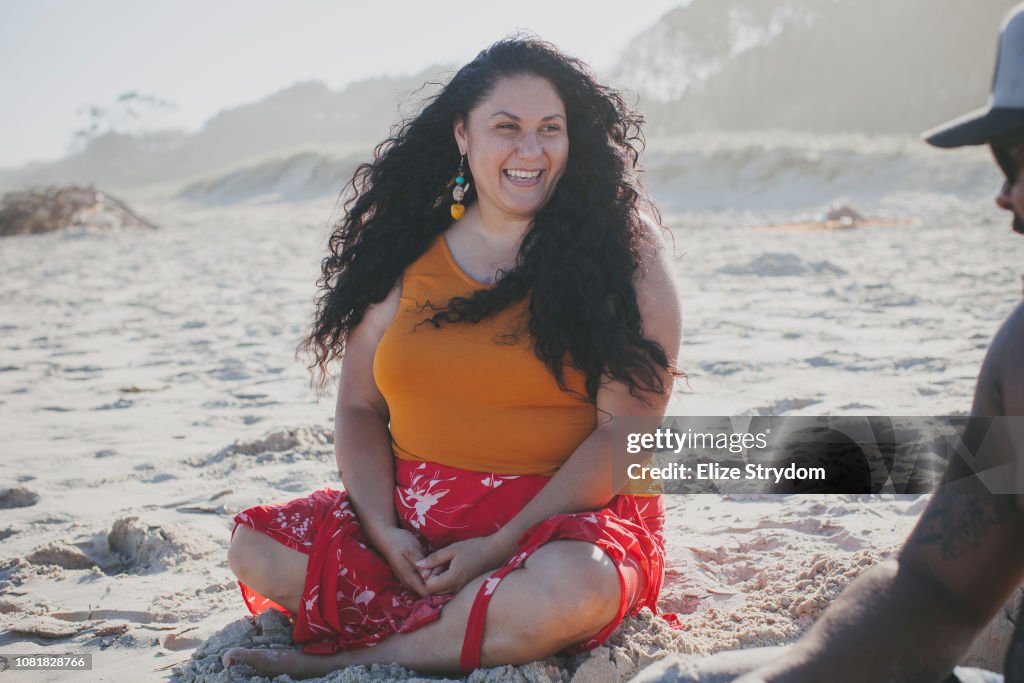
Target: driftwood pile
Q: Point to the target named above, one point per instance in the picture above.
(59, 208)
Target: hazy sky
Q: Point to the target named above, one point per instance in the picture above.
(208, 55)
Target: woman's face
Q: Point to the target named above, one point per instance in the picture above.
(516, 143)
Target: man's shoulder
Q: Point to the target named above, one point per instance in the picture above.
(1005, 362)
(1013, 327)
(1008, 344)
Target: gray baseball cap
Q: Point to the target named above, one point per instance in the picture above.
(1003, 118)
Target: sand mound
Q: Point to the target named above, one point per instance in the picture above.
(282, 446)
(298, 439)
(770, 576)
(987, 652)
(61, 555)
(59, 208)
(270, 629)
(144, 547)
(17, 498)
(771, 605)
(638, 642)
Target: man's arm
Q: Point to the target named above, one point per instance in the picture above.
(997, 412)
(913, 618)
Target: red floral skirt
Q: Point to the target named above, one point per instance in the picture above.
(352, 599)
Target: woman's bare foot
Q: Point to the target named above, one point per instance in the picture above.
(275, 662)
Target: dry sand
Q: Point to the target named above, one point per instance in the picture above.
(148, 391)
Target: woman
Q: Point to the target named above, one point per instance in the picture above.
(501, 302)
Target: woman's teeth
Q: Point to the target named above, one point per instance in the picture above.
(522, 175)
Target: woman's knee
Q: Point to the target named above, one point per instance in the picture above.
(244, 558)
(578, 586)
(268, 567)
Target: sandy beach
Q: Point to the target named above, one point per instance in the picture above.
(149, 389)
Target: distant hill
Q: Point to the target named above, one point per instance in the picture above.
(306, 175)
(873, 66)
(690, 172)
(304, 116)
(822, 66)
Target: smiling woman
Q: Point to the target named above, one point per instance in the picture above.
(517, 145)
(486, 361)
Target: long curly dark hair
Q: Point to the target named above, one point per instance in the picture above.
(575, 263)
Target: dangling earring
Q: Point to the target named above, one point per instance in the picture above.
(459, 191)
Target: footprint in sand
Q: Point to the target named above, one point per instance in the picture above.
(785, 405)
(9, 607)
(46, 627)
(17, 498)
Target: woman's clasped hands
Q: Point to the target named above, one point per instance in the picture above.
(444, 571)
(452, 567)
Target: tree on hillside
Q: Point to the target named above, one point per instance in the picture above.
(131, 113)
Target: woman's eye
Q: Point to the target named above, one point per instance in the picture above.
(552, 128)
(506, 126)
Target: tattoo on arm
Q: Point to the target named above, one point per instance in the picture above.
(958, 522)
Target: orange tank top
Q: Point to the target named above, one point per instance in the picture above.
(470, 395)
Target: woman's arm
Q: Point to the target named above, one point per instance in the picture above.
(362, 445)
(584, 482)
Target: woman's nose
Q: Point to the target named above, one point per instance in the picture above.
(529, 146)
(1003, 198)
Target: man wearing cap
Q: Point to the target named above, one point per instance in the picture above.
(913, 618)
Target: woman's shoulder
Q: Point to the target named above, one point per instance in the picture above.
(378, 316)
(657, 291)
(656, 255)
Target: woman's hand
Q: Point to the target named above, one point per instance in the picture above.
(403, 551)
(453, 566)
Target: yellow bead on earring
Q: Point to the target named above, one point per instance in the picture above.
(459, 191)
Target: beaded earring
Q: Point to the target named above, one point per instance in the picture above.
(459, 191)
